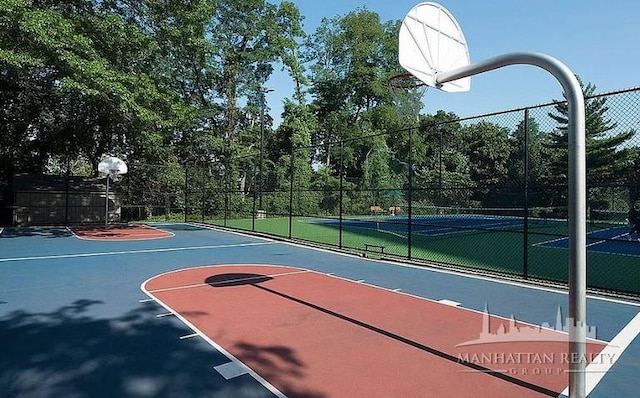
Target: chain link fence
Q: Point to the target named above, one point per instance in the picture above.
(486, 193)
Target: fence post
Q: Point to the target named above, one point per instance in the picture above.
(202, 190)
(253, 209)
(410, 194)
(291, 182)
(525, 240)
(226, 196)
(66, 196)
(341, 194)
(186, 191)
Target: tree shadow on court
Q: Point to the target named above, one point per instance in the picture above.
(279, 360)
(44, 232)
(236, 279)
(69, 352)
(182, 227)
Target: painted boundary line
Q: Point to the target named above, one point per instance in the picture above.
(298, 271)
(98, 254)
(237, 364)
(588, 233)
(147, 300)
(604, 240)
(456, 305)
(597, 369)
(541, 244)
(171, 235)
(237, 280)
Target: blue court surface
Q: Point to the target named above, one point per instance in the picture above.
(615, 240)
(435, 225)
(74, 321)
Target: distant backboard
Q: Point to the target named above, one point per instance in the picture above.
(431, 41)
(112, 165)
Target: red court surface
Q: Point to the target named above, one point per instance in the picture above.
(120, 232)
(314, 335)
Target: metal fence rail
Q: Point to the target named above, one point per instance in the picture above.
(485, 193)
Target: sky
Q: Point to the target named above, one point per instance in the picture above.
(598, 40)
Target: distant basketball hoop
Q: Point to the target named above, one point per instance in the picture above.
(407, 92)
(113, 168)
(115, 175)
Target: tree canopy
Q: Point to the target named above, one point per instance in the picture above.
(177, 83)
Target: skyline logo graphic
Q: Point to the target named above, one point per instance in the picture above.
(510, 331)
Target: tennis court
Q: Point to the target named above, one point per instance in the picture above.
(605, 237)
(205, 312)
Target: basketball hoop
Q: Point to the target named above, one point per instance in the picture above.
(407, 91)
(113, 168)
(115, 175)
(432, 47)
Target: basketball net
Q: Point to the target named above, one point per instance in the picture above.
(114, 175)
(407, 91)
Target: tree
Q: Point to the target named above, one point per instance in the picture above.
(444, 169)
(609, 157)
(487, 147)
(350, 63)
(293, 138)
(92, 67)
(541, 191)
(377, 176)
(246, 36)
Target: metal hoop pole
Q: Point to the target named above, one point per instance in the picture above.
(106, 204)
(577, 197)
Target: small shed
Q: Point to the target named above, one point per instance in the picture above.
(61, 200)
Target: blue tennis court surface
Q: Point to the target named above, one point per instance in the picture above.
(439, 225)
(614, 240)
(75, 322)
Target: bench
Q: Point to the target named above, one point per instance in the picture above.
(376, 210)
(379, 249)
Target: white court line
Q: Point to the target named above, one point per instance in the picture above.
(146, 300)
(164, 315)
(604, 240)
(595, 370)
(171, 235)
(589, 233)
(231, 370)
(171, 249)
(550, 241)
(222, 283)
(219, 348)
(449, 302)
(189, 336)
(599, 367)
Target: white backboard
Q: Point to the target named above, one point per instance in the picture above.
(431, 41)
(112, 164)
